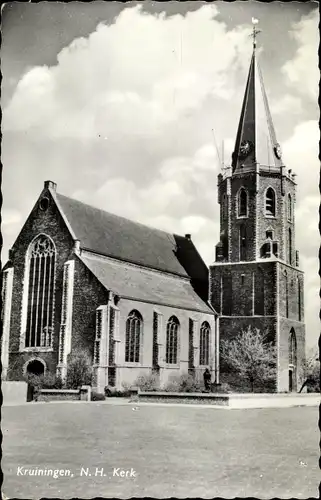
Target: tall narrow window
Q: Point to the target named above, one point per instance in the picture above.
(172, 340)
(292, 348)
(270, 202)
(290, 213)
(190, 344)
(299, 300)
(242, 203)
(290, 246)
(259, 294)
(39, 327)
(204, 343)
(286, 294)
(99, 327)
(134, 327)
(227, 299)
(155, 339)
(111, 348)
(242, 242)
(224, 207)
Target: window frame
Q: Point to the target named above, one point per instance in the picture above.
(177, 324)
(26, 296)
(289, 208)
(274, 212)
(205, 326)
(139, 317)
(238, 204)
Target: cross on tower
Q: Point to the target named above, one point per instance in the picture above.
(255, 31)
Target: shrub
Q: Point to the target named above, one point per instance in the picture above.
(51, 381)
(46, 381)
(221, 388)
(182, 383)
(147, 382)
(97, 396)
(79, 371)
(112, 392)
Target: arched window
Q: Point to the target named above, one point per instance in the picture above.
(270, 202)
(290, 247)
(292, 348)
(172, 340)
(204, 343)
(134, 329)
(242, 242)
(41, 268)
(290, 208)
(242, 203)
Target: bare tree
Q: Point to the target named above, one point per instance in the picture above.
(310, 371)
(251, 355)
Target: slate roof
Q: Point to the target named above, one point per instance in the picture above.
(115, 236)
(256, 126)
(133, 282)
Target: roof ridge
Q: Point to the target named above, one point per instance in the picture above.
(90, 254)
(118, 216)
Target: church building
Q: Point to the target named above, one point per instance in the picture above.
(139, 300)
(135, 299)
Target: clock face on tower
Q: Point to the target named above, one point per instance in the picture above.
(245, 148)
(278, 151)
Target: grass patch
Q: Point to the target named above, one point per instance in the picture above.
(176, 452)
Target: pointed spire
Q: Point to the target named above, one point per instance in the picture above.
(256, 139)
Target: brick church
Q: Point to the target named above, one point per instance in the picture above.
(140, 300)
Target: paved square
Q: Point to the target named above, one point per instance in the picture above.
(164, 452)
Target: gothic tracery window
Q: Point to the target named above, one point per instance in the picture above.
(270, 202)
(242, 203)
(134, 327)
(41, 265)
(172, 340)
(204, 343)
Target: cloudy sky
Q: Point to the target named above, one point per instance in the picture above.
(121, 105)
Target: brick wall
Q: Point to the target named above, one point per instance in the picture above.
(235, 285)
(50, 223)
(88, 295)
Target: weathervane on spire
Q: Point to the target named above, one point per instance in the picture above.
(255, 31)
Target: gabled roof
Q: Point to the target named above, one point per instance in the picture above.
(256, 130)
(111, 235)
(145, 285)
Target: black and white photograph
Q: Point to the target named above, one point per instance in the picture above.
(159, 266)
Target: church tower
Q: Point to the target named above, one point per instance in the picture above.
(255, 280)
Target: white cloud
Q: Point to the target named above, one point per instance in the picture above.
(287, 104)
(114, 81)
(10, 217)
(302, 71)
